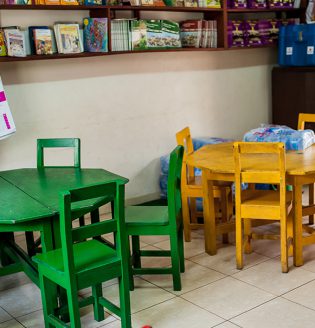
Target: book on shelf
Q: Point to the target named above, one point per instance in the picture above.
(198, 33)
(94, 2)
(170, 34)
(68, 38)
(139, 35)
(154, 34)
(191, 3)
(3, 47)
(16, 2)
(51, 2)
(95, 34)
(121, 34)
(43, 40)
(15, 42)
(69, 2)
(31, 36)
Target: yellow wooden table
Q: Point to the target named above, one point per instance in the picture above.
(217, 164)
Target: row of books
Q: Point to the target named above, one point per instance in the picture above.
(64, 38)
(263, 4)
(131, 34)
(159, 3)
(256, 32)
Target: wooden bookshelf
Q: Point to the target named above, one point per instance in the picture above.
(222, 15)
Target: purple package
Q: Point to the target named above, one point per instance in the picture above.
(252, 33)
(257, 3)
(274, 30)
(236, 34)
(288, 3)
(275, 3)
(239, 3)
(230, 3)
(264, 27)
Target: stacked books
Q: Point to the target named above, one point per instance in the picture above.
(198, 33)
(64, 38)
(131, 34)
(121, 34)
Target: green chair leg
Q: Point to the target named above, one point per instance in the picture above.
(135, 240)
(73, 303)
(175, 263)
(47, 290)
(180, 238)
(124, 302)
(98, 308)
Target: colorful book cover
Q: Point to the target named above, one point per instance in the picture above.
(154, 34)
(93, 2)
(190, 33)
(69, 2)
(15, 43)
(236, 33)
(191, 3)
(52, 2)
(275, 3)
(43, 41)
(3, 48)
(139, 35)
(240, 4)
(68, 38)
(95, 34)
(31, 36)
(171, 34)
(147, 2)
(213, 4)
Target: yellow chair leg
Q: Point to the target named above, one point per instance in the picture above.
(247, 236)
(284, 245)
(311, 201)
(239, 243)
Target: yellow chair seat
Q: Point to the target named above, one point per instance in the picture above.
(263, 198)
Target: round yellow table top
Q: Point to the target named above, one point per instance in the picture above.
(219, 159)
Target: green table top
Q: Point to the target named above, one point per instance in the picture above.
(28, 194)
(16, 206)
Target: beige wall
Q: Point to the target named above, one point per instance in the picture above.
(127, 108)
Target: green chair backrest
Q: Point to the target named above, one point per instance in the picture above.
(174, 182)
(58, 143)
(69, 235)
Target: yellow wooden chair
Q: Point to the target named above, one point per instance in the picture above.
(191, 188)
(309, 209)
(251, 167)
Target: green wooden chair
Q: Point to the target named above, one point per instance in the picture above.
(32, 244)
(82, 263)
(160, 220)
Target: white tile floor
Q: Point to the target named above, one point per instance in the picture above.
(214, 293)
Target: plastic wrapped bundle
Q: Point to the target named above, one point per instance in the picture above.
(198, 143)
(292, 139)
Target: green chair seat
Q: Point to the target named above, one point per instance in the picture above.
(87, 256)
(146, 215)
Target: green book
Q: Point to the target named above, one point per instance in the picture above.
(170, 31)
(154, 34)
(139, 35)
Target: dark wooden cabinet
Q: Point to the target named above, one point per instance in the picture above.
(293, 92)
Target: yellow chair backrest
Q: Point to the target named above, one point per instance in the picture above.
(184, 139)
(305, 118)
(256, 172)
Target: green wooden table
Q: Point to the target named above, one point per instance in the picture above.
(29, 202)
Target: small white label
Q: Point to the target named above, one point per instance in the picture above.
(310, 50)
(289, 51)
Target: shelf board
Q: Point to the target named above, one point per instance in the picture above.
(82, 7)
(256, 10)
(274, 46)
(99, 54)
